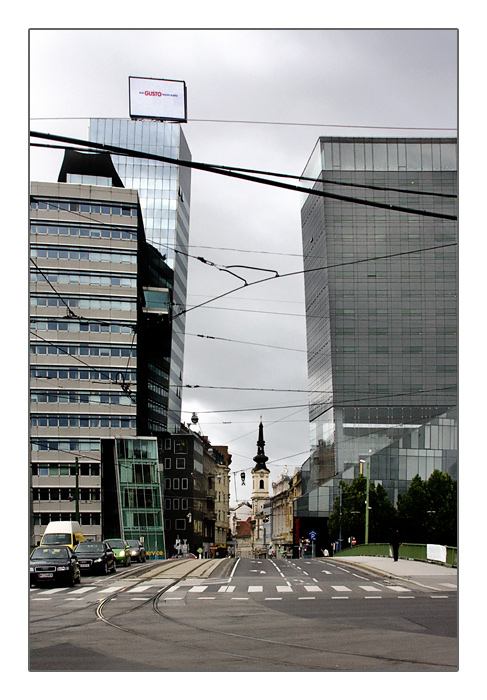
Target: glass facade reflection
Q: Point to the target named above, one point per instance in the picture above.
(133, 493)
(381, 306)
(164, 195)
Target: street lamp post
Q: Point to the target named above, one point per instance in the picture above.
(367, 504)
(367, 489)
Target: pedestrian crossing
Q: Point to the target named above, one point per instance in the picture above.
(235, 589)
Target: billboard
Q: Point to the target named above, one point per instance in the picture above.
(154, 98)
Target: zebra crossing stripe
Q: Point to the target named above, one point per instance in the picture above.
(370, 589)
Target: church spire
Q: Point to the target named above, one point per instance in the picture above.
(260, 459)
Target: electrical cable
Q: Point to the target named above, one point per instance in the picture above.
(301, 178)
(132, 153)
(316, 269)
(272, 123)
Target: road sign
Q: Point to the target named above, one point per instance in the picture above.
(312, 535)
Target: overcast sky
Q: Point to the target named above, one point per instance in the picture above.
(303, 84)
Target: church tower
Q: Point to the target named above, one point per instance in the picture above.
(260, 476)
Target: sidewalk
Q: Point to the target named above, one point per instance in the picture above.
(420, 572)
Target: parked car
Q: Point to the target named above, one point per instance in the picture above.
(58, 565)
(96, 557)
(121, 550)
(137, 550)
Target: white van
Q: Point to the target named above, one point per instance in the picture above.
(63, 532)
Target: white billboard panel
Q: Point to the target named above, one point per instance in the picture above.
(154, 98)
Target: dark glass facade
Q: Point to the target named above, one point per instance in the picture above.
(381, 305)
(164, 194)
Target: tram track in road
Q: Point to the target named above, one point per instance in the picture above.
(142, 573)
(267, 643)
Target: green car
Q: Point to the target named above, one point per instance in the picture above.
(121, 549)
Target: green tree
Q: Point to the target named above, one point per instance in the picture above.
(428, 510)
(352, 519)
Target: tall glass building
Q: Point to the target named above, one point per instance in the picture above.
(381, 308)
(164, 195)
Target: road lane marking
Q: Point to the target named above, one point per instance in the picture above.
(255, 589)
(284, 589)
(83, 590)
(198, 589)
(370, 589)
(239, 598)
(372, 597)
(438, 596)
(207, 597)
(341, 588)
(312, 589)
(272, 598)
(226, 589)
(311, 597)
(399, 589)
(339, 597)
(111, 589)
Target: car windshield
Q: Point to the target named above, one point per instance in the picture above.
(50, 553)
(116, 544)
(56, 538)
(133, 543)
(91, 547)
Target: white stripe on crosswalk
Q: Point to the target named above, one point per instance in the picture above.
(198, 589)
(284, 589)
(111, 589)
(313, 589)
(255, 589)
(371, 589)
(399, 589)
(341, 588)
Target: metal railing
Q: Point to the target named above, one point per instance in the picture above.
(417, 552)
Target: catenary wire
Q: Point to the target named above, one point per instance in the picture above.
(132, 153)
(286, 176)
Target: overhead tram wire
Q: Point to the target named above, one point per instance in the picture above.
(272, 123)
(286, 176)
(301, 272)
(218, 170)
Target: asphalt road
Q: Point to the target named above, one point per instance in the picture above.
(247, 615)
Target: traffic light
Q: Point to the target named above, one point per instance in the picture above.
(242, 476)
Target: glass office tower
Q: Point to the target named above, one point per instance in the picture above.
(381, 308)
(164, 194)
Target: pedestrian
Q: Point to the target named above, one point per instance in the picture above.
(395, 544)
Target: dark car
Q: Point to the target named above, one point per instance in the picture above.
(137, 550)
(95, 557)
(121, 550)
(54, 565)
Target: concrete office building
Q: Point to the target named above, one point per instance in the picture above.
(164, 194)
(100, 338)
(381, 307)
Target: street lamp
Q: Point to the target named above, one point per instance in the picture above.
(367, 488)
